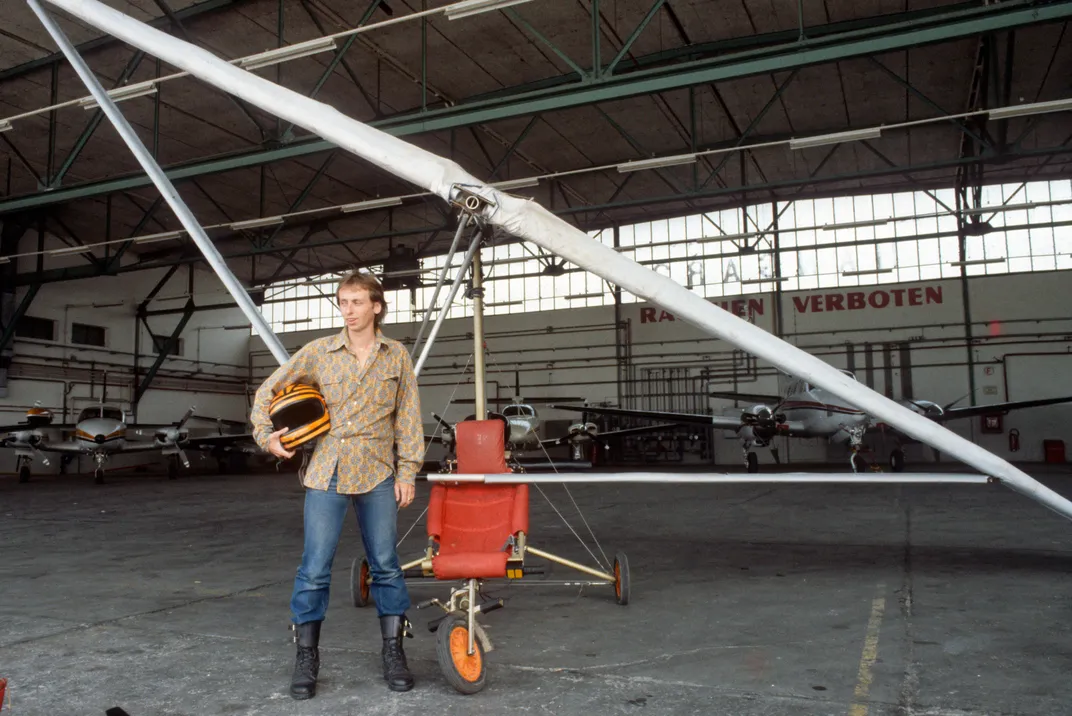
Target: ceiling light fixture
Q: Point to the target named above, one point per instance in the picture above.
(867, 272)
(370, 204)
(152, 238)
(69, 250)
(855, 224)
(766, 280)
(256, 223)
(516, 184)
(503, 303)
(475, 7)
(731, 237)
(579, 296)
(290, 52)
(823, 140)
(1024, 110)
(4, 260)
(657, 163)
(119, 94)
(977, 262)
(5, 125)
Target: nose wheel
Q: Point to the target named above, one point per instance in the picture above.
(466, 672)
(24, 469)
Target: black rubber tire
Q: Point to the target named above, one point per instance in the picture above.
(98, 477)
(172, 469)
(24, 473)
(621, 571)
(753, 462)
(470, 683)
(359, 585)
(897, 460)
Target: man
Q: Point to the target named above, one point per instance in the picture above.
(371, 393)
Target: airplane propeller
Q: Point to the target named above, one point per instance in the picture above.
(171, 437)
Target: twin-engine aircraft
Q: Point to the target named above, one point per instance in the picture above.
(807, 411)
(102, 431)
(523, 424)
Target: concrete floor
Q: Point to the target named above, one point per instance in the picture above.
(171, 598)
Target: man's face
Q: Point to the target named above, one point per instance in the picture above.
(357, 309)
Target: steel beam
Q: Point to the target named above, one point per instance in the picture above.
(20, 311)
(165, 350)
(782, 57)
(107, 40)
(93, 123)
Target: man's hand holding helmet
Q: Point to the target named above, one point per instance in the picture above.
(276, 447)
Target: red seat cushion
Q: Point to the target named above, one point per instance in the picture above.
(473, 523)
(481, 447)
(470, 565)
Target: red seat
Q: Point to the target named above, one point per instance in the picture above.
(473, 523)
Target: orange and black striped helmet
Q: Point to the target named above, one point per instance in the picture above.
(303, 410)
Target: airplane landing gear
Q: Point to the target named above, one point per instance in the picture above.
(24, 469)
(897, 460)
(752, 460)
(173, 467)
(98, 473)
(856, 443)
(859, 464)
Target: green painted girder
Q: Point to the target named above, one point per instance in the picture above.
(786, 56)
(107, 40)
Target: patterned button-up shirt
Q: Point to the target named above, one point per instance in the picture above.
(374, 408)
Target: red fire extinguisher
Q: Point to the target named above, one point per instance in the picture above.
(1014, 440)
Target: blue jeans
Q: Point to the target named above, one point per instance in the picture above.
(377, 519)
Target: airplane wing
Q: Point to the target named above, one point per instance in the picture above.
(227, 443)
(610, 434)
(1002, 408)
(746, 397)
(717, 421)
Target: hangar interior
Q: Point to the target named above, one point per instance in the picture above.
(883, 184)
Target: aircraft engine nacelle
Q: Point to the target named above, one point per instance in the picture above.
(579, 432)
(38, 417)
(926, 408)
(25, 437)
(171, 436)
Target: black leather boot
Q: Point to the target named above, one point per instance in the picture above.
(395, 669)
(307, 661)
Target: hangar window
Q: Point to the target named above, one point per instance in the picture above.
(160, 342)
(86, 335)
(833, 242)
(43, 329)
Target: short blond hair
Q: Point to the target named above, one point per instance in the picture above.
(362, 279)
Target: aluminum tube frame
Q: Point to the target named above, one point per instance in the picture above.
(463, 222)
(530, 221)
(167, 189)
(479, 367)
(719, 478)
(474, 246)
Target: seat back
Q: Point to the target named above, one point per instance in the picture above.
(476, 517)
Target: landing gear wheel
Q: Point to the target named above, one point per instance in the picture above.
(465, 672)
(98, 476)
(172, 469)
(359, 583)
(24, 473)
(621, 578)
(859, 464)
(753, 462)
(897, 460)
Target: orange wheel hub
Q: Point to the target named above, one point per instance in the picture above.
(468, 665)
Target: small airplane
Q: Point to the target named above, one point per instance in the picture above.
(101, 431)
(523, 432)
(807, 411)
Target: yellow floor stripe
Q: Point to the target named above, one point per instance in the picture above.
(870, 653)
